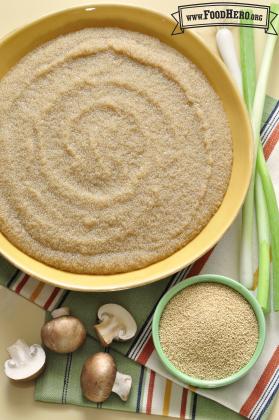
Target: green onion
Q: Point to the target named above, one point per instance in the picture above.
(273, 214)
(270, 197)
(263, 246)
(266, 183)
(248, 67)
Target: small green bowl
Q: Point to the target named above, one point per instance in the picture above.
(210, 278)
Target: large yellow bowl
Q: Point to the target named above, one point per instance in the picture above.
(20, 42)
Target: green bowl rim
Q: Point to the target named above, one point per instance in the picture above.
(211, 278)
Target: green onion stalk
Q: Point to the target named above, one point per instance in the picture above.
(260, 184)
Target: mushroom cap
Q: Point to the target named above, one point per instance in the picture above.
(64, 334)
(27, 367)
(97, 377)
(125, 319)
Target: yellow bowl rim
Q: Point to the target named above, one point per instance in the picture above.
(87, 282)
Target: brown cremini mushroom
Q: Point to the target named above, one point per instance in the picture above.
(99, 378)
(64, 333)
(25, 363)
(116, 324)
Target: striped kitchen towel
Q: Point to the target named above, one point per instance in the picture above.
(151, 393)
(155, 391)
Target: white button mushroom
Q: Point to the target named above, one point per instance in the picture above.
(99, 378)
(64, 333)
(25, 363)
(116, 324)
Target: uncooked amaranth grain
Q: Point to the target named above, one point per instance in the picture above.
(208, 331)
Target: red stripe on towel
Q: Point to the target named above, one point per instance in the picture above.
(183, 403)
(22, 283)
(198, 265)
(146, 352)
(150, 392)
(51, 298)
(271, 142)
(261, 385)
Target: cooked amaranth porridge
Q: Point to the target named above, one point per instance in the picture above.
(116, 151)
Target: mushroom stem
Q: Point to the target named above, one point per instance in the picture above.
(19, 352)
(122, 385)
(116, 323)
(108, 330)
(25, 362)
(64, 311)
